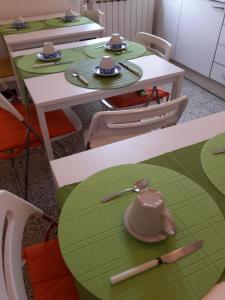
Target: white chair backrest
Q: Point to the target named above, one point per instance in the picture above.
(155, 44)
(5, 104)
(14, 213)
(95, 15)
(136, 121)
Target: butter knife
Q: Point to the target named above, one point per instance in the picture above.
(167, 258)
(219, 150)
(129, 68)
(53, 63)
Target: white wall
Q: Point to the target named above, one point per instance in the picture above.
(11, 8)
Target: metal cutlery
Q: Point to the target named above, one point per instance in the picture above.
(53, 63)
(129, 68)
(219, 150)
(80, 77)
(167, 258)
(139, 185)
(122, 51)
(100, 46)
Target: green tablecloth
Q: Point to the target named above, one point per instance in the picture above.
(42, 25)
(214, 164)
(200, 286)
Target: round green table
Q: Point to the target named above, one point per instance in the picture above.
(95, 244)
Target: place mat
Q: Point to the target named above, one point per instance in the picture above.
(214, 164)
(85, 68)
(25, 63)
(95, 244)
(32, 26)
(58, 22)
(133, 50)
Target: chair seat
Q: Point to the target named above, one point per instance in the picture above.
(13, 132)
(49, 276)
(6, 69)
(134, 98)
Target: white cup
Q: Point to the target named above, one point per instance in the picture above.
(116, 40)
(70, 13)
(107, 65)
(48, 48)
(148, 216)
(19, 20)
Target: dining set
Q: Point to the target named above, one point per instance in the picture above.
(142, 211)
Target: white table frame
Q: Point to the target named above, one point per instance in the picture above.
(58, 35)
(78, 167)
(50, 92)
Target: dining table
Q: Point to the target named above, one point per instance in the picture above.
(178, 161)
(54, 90)
(48, 28)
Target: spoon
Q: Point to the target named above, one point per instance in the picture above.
(139, 185)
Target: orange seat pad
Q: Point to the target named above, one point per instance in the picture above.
(6, 69)
(13, 132)
(132, 99)
(49, 276)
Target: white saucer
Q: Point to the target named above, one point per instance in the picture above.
(41, 56)
(153, 239)
(70, 19)
(123, 47)
(96, 70)
(19, 25)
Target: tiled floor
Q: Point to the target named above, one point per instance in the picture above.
(201, 103)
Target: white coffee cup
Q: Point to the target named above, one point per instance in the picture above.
(107, 64)
(48, 48)
(148, 216)
(116, 39)
(19, 20)
(70, 13)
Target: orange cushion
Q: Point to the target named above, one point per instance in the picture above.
(13, 132)
(132, 99)
(49, 276)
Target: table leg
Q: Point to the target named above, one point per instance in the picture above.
(176, 87)
(45, 133)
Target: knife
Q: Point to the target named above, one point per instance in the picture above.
(53, 63)
(167, 258)
(219, 150)
(130, 68)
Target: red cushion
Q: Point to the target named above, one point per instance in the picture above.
(49, 276)
(13, 132)
(132, 99)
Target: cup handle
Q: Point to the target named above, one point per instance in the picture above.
(169, 226)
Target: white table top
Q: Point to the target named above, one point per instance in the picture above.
(77, 167)
(54, 88)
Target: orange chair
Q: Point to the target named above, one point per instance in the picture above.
(161, 48)
(49, 276)
(20, 130)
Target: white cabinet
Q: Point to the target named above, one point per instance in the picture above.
(198, 35)
(166, 20)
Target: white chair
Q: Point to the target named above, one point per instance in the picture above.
(95, 15)
(111, 126)
(159, 47)
(14, 213)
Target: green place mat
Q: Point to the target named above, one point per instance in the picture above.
(32, 26)
(25, 63)
(214, 165)
(85, 68)
(134, 50)
(95, 244)
(58, 22)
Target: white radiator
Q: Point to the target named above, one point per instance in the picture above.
(127, 17)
